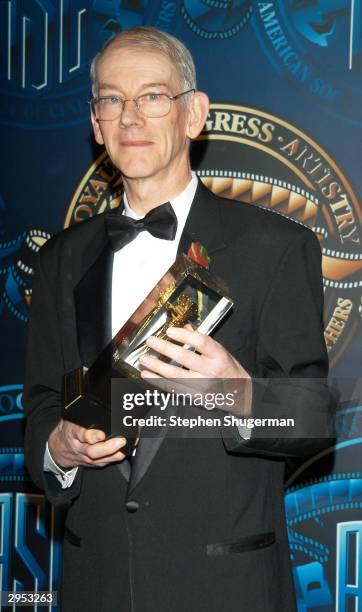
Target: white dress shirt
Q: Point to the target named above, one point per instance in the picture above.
(139, 266)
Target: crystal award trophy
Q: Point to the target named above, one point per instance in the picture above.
(187, 293)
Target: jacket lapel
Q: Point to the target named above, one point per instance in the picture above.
(93, 293)
(93, 307)
(146, 451)
(203, 225)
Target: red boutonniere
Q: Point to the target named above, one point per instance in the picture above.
(198, 253)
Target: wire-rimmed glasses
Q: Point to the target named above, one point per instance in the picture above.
(152, 105)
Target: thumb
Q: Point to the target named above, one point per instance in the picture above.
(94, 435)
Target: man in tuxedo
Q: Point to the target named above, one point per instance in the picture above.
(189, 524)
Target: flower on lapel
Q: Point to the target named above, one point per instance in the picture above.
(198, 253)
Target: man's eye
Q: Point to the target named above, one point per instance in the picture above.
(109, 101)
(153, 97)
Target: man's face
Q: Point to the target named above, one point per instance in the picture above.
(139, 146)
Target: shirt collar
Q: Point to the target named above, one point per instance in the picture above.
(181, 204)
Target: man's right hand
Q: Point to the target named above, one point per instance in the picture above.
(71, 445)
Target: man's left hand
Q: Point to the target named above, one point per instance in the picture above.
(209, 360)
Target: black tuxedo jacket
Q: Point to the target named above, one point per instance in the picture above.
(194, 524)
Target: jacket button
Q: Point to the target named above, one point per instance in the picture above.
(132, 506)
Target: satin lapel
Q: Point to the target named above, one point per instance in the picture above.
(203, 225)
(92, 294)
(93, 307)
(146, 451)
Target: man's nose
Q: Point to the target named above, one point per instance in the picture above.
(130, 114)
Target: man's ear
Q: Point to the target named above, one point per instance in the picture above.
(197, 114)
(96, 130)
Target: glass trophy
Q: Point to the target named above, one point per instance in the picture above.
(186, 294)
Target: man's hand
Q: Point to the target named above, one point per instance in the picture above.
(71, 445)
(209, 361)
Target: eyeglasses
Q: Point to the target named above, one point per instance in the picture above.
(108, 108)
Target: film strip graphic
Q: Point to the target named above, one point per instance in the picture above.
(313, 498)
(292, 202)
(17, 259)
(216, 19)
(330, 494)
(266, 192)
(308, 546)
(12, 465)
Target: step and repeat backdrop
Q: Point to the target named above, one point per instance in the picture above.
(284, 132)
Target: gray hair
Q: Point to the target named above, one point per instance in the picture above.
(147, 37)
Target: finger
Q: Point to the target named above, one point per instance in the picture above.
(148, 374)
(92, 436)
(164, 384)
(103, 449)
(187, 386)
(166, 370)
(171, 385)
(69, 430)
(181, 355)
(203, 344)
(184, 386)
(103, 462)
(81, 434)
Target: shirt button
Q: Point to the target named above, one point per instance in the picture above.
(132, 506)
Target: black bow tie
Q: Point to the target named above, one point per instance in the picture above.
(161, 222)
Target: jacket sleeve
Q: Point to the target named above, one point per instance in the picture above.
(43, 381)
(290, 378)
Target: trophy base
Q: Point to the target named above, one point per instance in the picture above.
(81, 408)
